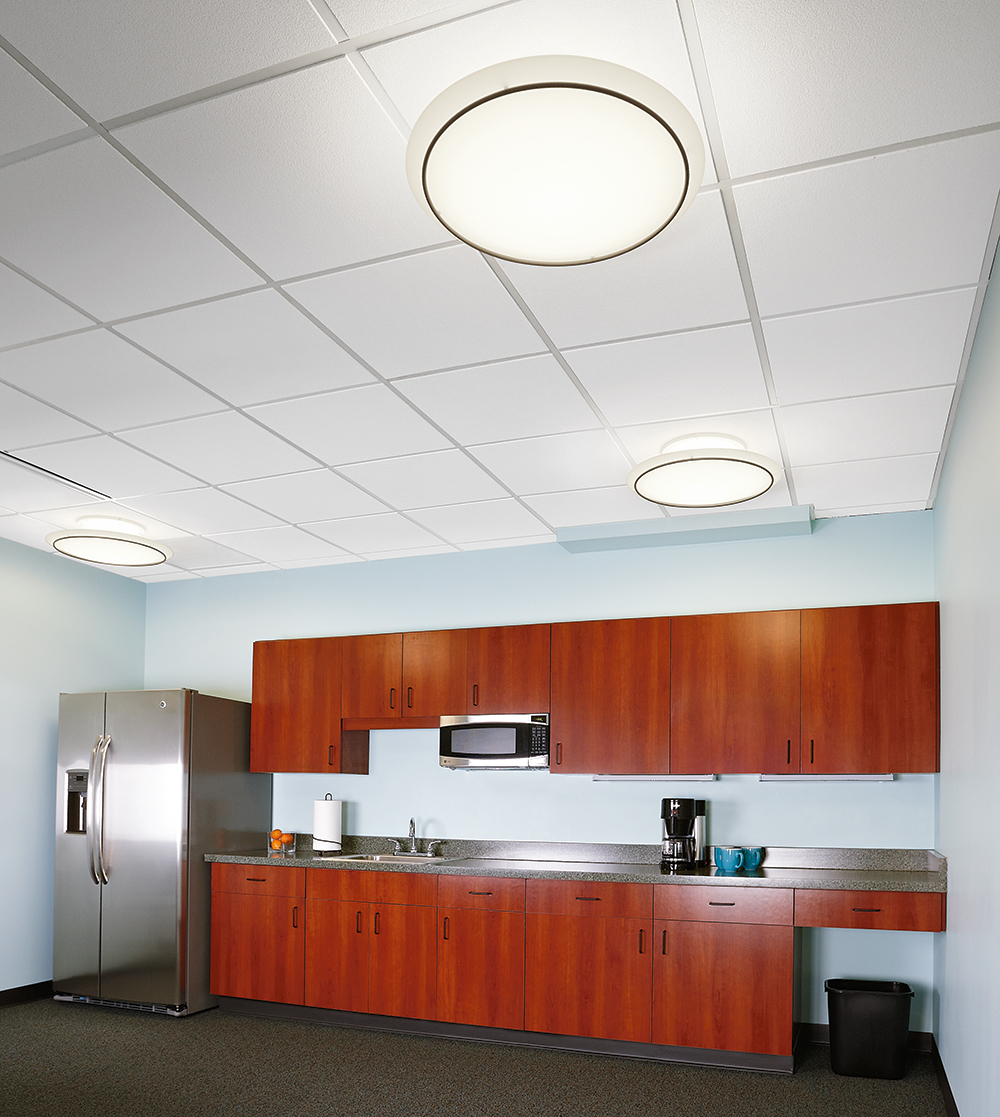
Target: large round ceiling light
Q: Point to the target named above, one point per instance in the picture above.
(555, 160)
(704, 471)
(106, 549)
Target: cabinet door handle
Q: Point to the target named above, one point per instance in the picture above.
(789, 760)
(258, 880)
(722, 903)
(641, 951)
(329, 755)
(663, 948)
(392, 698)
(559, 752)
(295, 916)
(812, 752)
(866, 909)
(593, 899)
(357, 924)
(480, 893)
(475, 694)
(445, 927)
(376, 923)
(409, 698)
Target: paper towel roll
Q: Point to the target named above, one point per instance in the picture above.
(328, 825)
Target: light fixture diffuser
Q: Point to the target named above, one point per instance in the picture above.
(555, 160)
(704, 471)
(107, 548)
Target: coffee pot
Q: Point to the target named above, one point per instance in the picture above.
(684, 844)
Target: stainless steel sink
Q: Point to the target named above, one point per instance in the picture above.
(395, 858)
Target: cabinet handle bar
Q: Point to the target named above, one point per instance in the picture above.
(866, 909)
(722, 903)
(445, 927)
(592, 898)
(295, 916)
(480, 893)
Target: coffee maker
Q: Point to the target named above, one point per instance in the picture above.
(684, 845)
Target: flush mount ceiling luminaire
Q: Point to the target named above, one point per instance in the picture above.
(107, 548)
(555, 160)
(704, 471)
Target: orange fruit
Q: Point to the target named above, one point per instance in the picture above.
(275, 833)
(287, 839)
(275, 844)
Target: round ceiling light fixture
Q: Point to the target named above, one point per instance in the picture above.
(555, 160)
(704, 471)
(107, 548)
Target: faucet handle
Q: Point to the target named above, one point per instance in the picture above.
(430, 843)
(397, 845)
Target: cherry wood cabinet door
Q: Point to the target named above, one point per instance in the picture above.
(258, 947)
(588, 976)
(480, 967)
(734, 692)
(870, 689)
(372, 676)
(508, 670)
(433, 673)
(402, 961)
(295, 715)
(611, 696)
(336, 955)
(723, 986)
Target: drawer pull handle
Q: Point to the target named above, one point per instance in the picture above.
(357, 924)
(480, 893)
(866, 909)
(789, 753)
(663, 948)
(812, 752)
(258, 880)
(641, 951)
(594, 899)
(445, 928)
(376, 923)
(295, 916)
(722, 904)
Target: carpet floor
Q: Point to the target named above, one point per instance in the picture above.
(84, 1060)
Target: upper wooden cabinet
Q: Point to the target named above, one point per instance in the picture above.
(400, 675)
(734, 692)
(372, 675)
(295, 715)
(870, 689)
(611, 696)
(508, 670)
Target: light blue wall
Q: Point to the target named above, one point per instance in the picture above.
(66, 627)
(967, 520)
(200, 634)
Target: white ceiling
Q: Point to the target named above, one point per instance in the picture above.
(223, 313)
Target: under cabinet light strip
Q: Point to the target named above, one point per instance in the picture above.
(885, 777)
(656, 779)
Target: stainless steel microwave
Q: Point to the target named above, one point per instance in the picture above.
(498, 741)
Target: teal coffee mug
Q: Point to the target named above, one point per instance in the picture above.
(729, 858)
(752, 857)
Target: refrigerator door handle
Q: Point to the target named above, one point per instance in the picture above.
(95, 813)
(99, 869)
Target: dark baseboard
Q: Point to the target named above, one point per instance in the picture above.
(949, 1098)
(820, 1033)
(23, 993)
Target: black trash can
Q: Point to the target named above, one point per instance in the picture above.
(869, 1027)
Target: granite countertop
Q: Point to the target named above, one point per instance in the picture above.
(884, 870)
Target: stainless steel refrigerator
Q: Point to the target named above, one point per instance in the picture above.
(148, 782)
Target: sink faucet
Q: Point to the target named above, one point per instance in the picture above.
(413, 838)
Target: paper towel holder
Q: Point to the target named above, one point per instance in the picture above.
(328, 826)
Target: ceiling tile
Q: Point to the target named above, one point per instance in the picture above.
(410, 552)
(220, 448)
(23, 490)
(756, 428)
(860, 483)
(26, 311)
(422, 480)
(358, 17)
(109, 466)
(278, 544)
(644, 35)
(364, 534)
(891, 225)
(357, 424)
(26, 422)
(593, 506)
(696, 373)
(484, 520)
(194, 552)
(511, 399)
(115, 58)
(298, 497)
(685, 277)
(878, 347)
(493, 544)
(103, 380)
(86, 223)
(303, 173)
(167, 576)
(31, 113)
(296, 564)
(444, 308)
(242, 568)
(585, 460)
(202, 511)
(867, 427)
(795, 82)
(25, 530)
(249, 349)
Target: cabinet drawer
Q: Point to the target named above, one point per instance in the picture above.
(259, 880)
(886, 911)
(404, 888)
(723, 904)
(588, 897)
(491, 893)
(339, 884)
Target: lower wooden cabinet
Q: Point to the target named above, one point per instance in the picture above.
(880, 911)
(480, 967)
(336, 961)
(402, 962)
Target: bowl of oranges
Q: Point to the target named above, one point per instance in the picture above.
(280, 844)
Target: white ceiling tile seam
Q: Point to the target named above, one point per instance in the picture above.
(880, 300)
(66, 140)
